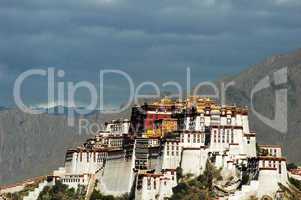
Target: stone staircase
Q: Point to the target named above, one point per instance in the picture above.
(33, 195)
(92, 183)
(90, 187)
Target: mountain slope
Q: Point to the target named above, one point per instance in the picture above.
(34, 145)
(264, 101)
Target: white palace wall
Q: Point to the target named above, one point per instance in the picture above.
(268, 183)
(84, 162)
(171, 155)
(249, 145)
(194, 161)
(116, 178)
(157, 186)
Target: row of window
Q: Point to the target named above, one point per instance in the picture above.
(116, 128)
(71, 180)
(192, 123)
(223, 137)
(100, 157)
(173, 153)
(194, 138)
(153, 142)
(149, 187)
(272, 152)
(115, 143)
(272, 164)
(172, 147)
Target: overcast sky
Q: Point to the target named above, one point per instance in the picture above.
(154, 40)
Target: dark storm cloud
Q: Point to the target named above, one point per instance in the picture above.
(153, 40)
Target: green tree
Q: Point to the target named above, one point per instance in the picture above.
(61, 192)
(197, 188)
(291, 166)
(96, 195)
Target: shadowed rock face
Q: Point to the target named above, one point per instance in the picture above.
(33, 145)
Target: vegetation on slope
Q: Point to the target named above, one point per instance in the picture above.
(20, 195)
(291, 166)
(296, 183)
(96, 195)
(290, 192)
(200, 187)
(61, 192)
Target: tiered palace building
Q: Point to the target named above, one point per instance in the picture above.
(140, 156)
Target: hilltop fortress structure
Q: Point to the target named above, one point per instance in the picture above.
(141, 156)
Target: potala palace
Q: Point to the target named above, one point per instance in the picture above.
(141, 156)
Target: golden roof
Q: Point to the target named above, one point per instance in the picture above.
(167, 100)
(200, 109)
(164, 102)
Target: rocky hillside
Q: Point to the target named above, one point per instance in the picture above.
(34, 145)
